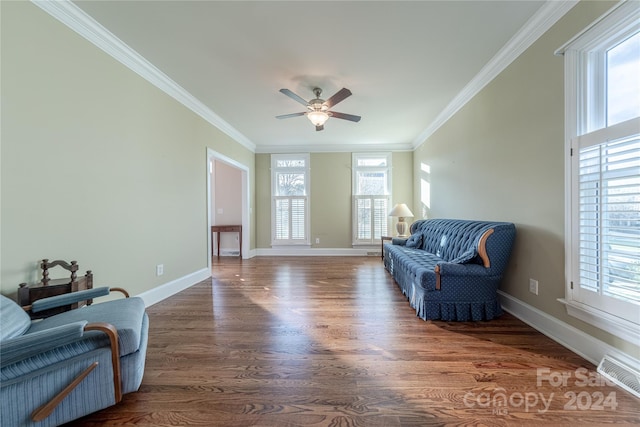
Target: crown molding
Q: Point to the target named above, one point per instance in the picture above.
(535, 27)
(331, 148)
(77, 20)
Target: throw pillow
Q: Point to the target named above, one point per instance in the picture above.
(414, 241)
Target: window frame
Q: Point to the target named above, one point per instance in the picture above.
(305, 170)
(355, 196)
(585, 114)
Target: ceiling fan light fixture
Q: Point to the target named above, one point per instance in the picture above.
(318, 110)
(318, 118)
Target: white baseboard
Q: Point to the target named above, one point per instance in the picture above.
(252, 253)
(581, 343)
(159, 293)
(297, 251)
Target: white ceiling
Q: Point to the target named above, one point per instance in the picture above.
(404, 61)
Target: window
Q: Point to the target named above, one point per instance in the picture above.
(371, 197)
(602, 66)
(290, 199)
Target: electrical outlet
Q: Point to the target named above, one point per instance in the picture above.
(317, 240)
(159, 269)
(533, 286)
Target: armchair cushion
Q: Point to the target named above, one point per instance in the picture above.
(15, 321)
(125, 314)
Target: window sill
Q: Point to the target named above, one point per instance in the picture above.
(621, 328)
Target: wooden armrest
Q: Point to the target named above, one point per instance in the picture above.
(112, 333)
(482, 248)
(121, 290)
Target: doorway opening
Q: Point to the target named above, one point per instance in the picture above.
(230, 196)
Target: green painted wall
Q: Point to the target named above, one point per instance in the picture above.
(402, 184)
(98, 165)
(501, 158)
(330, 200)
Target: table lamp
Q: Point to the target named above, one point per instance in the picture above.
(401, 211)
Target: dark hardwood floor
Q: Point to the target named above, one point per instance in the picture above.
(332, 342)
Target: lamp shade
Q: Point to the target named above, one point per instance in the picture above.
(401, 210)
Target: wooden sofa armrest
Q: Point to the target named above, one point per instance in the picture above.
(482, 248)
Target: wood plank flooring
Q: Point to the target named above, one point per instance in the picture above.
(332, 342)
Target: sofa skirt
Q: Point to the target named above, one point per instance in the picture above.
(458, 311)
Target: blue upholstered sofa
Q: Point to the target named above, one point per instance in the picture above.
(450, 269)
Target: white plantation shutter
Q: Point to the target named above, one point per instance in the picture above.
(298, 215)
(372, 217)
(282, 218)
(380, 216)
(608, 202)
(363, 223)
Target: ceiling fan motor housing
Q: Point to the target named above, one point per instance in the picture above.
(317, 105)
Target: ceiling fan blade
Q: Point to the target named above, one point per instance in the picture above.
(294, 96)
(338, 97)
(286, 116)
(319, 128)
(344, 116)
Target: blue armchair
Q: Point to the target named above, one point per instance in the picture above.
(66, 366)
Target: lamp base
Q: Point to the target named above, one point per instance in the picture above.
(402, 228)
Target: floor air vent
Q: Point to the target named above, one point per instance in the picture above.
(227, 252)
(619, 373)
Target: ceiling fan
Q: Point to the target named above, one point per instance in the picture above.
(318, 109)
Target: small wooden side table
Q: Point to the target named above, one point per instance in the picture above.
(382, 239)
(227, 228)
